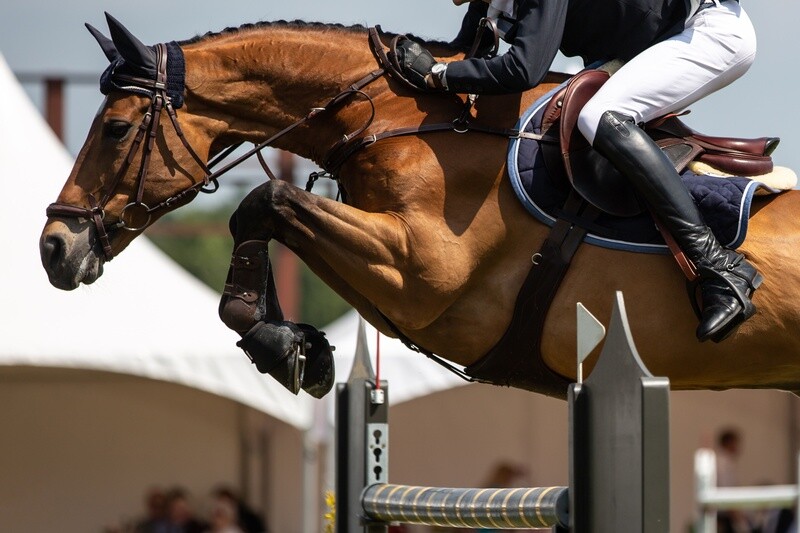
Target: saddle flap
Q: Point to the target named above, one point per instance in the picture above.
(580, 90)
(679, 151)
(737, 156)
(589, 173)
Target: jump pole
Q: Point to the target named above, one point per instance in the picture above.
(619, 457)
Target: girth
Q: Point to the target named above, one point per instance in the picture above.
(517, 359)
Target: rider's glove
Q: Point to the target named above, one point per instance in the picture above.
(420, 68)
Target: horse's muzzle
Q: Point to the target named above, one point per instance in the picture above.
(68, 254)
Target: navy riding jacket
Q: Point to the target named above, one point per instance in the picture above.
(591, 29)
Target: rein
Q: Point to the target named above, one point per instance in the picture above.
(389, 64)
(334, 159)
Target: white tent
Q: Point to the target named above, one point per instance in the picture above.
(71, 362)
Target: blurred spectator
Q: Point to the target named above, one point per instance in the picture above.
(780, 521)
(728, 449)
(155, 519)
(506, 475)
(180, 514)
(248, 520)
(224, 518)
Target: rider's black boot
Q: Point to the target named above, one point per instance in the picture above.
(727, 279)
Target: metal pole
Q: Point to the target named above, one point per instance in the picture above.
(797, 481)
(54, 105)
(505, 508)
(362, 436)
(287, 267)
(311, 508)
(705, 481)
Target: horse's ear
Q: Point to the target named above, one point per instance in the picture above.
(105, 43)
(132, 50)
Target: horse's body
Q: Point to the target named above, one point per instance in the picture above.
(432, 235)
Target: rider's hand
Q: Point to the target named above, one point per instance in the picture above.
(419, 66)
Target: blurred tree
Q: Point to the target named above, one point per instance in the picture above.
(199, 241)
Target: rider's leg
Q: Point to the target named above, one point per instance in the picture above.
(727, 279)
(665, 78)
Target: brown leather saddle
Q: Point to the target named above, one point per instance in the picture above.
(569, 156)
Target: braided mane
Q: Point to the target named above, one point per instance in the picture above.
(299, 25)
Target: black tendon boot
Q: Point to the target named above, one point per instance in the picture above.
(727, 279)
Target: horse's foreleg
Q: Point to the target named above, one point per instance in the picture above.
(370, 259)
(353, 251)
(296, 355)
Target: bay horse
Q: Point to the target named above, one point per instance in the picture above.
(431, 242)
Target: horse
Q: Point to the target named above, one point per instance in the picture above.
(431, 244)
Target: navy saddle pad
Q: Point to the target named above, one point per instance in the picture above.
(723, 202)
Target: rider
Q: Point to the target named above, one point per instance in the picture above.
(676, 52)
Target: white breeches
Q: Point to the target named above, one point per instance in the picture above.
(716, 48)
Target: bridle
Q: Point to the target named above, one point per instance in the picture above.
(160, 101)
(145, 139)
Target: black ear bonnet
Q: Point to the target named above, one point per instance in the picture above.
(129, 57)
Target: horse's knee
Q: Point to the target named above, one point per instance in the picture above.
(260, 198)
(261, 208)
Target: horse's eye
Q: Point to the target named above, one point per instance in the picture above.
(116, 129)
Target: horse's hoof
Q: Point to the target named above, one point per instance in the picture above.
(320, 369)
(297, 356)
(275, 348)
(243, 299)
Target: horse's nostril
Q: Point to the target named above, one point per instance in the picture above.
(52, 251)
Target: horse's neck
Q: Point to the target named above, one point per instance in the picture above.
(251, 84)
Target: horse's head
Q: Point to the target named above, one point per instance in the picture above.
(138, 162)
